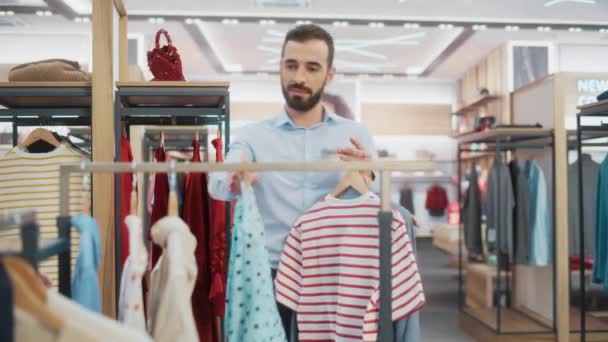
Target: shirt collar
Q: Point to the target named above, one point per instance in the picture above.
(283, 120)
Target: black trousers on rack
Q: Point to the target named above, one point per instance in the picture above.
(288, 317)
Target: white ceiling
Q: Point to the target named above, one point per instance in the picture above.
(359, 49)
(210, 47)
(467, 10)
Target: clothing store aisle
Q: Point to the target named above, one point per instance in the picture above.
(439, 317)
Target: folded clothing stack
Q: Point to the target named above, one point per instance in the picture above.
(49, 70)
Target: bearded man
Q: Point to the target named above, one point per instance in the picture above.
(304, 131)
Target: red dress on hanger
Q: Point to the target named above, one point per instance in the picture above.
(160, 208)
(217, 294)
(126, 187)
(196, 215)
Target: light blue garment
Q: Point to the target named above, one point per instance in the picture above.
(251, 309)
(600, 259)
(85, 285)
(283, 197)
(541, 231)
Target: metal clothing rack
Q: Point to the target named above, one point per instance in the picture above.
(584, 133)
(175, 140)
(167, 104)
(45, 104)
(497, 142)
(384, 216)
(30, 243)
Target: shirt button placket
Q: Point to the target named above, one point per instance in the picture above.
(305, 179)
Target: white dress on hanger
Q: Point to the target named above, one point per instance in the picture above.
(130, 302)
(170, 316)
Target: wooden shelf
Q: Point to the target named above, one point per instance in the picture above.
(476, 104)
(46, 84)
(172, 84)
(446, 238)
(504, 135)
(477, 155)
(173, 94)
(45, 94)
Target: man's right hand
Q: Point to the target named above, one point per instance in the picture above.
(250, 178)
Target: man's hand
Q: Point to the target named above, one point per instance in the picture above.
(358, 153)
(250, 178)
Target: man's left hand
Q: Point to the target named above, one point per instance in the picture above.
(356, 153)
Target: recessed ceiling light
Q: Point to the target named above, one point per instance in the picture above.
(511, 28)
(446, 26)
(341, 23)
(603, 30)
(479, 27)
(411, 26)
(189, 21)
(233, 68)
(376, 24)
(86, 20)
(267, 22)
(544, 28)
(230, 21)
(48, 13)
(2, 13)
(40, 13)
(10, 13)
(303, 22)
(78, 19)
(575, 29)
(550, 3)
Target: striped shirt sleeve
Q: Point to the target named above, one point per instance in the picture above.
(288, 282)
(407, 292)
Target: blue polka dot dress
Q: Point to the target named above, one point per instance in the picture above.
(251, 309)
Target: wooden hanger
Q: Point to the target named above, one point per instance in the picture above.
(40, 134)
(29, 294)
(162, 139)
(352, 179)
(196, 135)
(86, 200)
(134, 196)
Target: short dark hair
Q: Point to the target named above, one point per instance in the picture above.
(307, 32)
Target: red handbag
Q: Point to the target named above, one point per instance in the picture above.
(165, 62)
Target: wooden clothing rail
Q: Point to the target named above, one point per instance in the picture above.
(385, 168)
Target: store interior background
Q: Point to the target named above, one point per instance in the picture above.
(402, 81)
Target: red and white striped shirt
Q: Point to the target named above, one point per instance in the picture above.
(329, 271)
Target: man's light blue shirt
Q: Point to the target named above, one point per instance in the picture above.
(283, 197)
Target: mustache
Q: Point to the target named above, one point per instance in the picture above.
(299, 87)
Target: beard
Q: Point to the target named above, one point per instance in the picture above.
(297, 102)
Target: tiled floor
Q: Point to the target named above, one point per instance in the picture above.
(439, 318)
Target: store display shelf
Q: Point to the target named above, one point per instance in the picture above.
(599, 108)
(504, 135)
(477, 155)
(512, 320)
(34, 95)
(587, 135)
(446, 238)
(476, 104)
(173, 94)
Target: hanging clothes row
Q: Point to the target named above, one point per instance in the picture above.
(206, 219)
(30, 181)
(517, 213)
